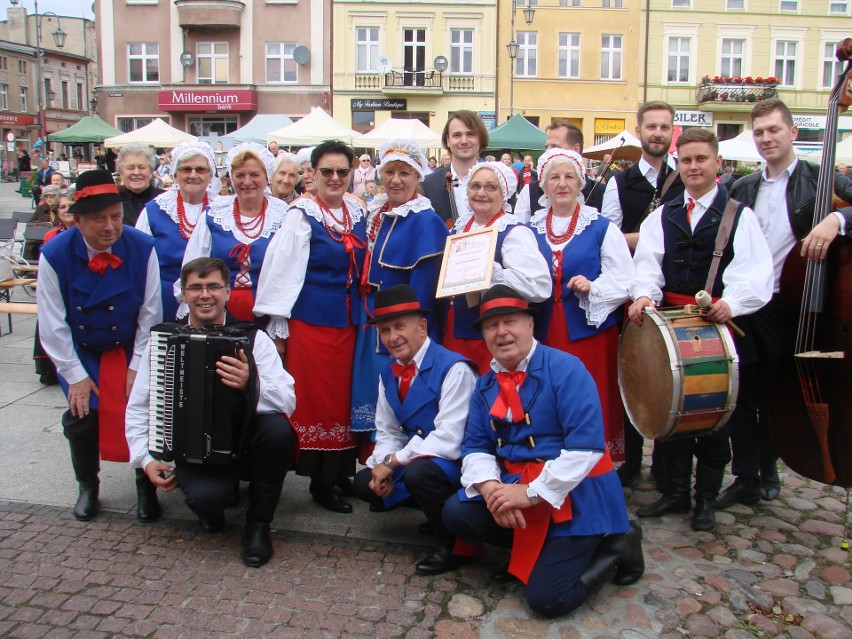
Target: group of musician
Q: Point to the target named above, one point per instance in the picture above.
(499, 417)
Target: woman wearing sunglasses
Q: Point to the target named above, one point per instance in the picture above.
(239, 228)
(171, 216)
(310, 289)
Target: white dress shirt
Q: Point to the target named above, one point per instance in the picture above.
(747, 280)
(277, 395)
(611, 206)
(445, 441)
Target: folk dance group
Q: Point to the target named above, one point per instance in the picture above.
(500, 420)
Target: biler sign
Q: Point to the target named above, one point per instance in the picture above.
(693, 118)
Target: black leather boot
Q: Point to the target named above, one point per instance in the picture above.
(263, 500)
(629, 558)
(708, 482)
(147, 504)
(659, 464)
(599, 571)
(770, 482)
(85, 460)
(676, 498)
(742, 491)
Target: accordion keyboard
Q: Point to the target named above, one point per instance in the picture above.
(160, 404)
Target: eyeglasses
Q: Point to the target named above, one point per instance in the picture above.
(327, 172)
(489, 187)
(187, 170)
(198, 288)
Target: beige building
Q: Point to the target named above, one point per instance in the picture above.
(712, 59)
(577, 59)
(419, 60)
(18, 111)
(207, 67)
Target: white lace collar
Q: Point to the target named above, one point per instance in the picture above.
(167, 201)
(588, 214)
(312, 209)
(419, 203)
(507, 219)
(222, 213)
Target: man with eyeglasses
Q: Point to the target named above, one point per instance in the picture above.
(209, 489)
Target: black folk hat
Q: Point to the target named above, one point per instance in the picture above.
(95, 190)
(501, 300)
(395, 301)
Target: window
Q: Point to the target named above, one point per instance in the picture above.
(414, 52)
(367, 49)
(4, 62)
(831, 66)
(525, 65)
(280, 65)
(461, 50)
(681, 4)
(732, 58)
(789, 5)
(678, 63)
(143, 60)
(838, 8)
(785, 62)
(569, 55)
(213, 125)
(127, 125)
(25, 103)
(569, 3)
(736, 4)
(81, 106)
(212, 63)
(22, 66)
(48, 91)
(613, 4)
(63, 92)
(4, 97)
(363, 121)
(611, 57)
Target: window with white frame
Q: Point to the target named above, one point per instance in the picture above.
(735, 4)
(681, 4)
(731, 63)
(280, 65)
(128, 124)
(4, 97)
(212, 62)
(143, 62)
(613, 4)
(678, 62)
(569, 3)
(611, 51)
(367, 49)
(785, 62)
(569, 55)
(461, 51)
(837, 8)
(789, 5)
(526, 64)
(25, 101)
(831, 66)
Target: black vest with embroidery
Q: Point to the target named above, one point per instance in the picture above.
(635, 194)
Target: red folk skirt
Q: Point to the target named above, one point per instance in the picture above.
(599, 354)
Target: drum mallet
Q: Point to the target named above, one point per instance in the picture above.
(703, 299)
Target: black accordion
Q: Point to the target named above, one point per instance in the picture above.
(193, 417)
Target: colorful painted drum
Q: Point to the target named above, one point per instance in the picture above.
(678, 373)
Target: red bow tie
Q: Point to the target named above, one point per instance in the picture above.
(406, 374)
(102, 261)
(508, 399)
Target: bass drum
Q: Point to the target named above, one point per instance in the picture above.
(678, 373)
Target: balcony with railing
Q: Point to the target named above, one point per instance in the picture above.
(404, 82)
(738, 93)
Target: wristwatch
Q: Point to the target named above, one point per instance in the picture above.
(532, 495)
(388, 461)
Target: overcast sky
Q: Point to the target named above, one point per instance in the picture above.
(81, 8)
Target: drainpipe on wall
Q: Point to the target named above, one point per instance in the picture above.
(645, 71)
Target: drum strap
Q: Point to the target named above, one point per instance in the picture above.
(660, 192)
(723, 236)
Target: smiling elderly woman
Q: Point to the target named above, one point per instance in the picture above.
(238, 228)
(136, 168)
(285, 177)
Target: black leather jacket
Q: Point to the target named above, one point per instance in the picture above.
(801, 196)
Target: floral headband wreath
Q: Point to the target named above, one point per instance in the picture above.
(403, 150)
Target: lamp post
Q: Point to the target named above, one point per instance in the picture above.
(512, 48)
(59, 38)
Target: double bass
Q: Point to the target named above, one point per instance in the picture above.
(810, 418)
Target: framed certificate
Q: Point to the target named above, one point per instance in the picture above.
(468, 262)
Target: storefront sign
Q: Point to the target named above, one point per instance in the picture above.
(489, 119)
(379, 105)
(818, 122)
(608, 127)
(16, 119)
(693, 118)
(237, 100)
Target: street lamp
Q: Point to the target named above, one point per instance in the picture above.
(59, 37)
(512, 48)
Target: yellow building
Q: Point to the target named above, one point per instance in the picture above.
(577, 59)
(712, 59)
(412, 59)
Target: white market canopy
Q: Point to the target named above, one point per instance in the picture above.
(157, 132)
(394, 128)
(629, 148)
(842, 153)
(315, 128)
(740, 148)
(259, 127)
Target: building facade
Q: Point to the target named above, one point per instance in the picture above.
(208, 67)
(713, 59)
(409, 59)
(578, 59)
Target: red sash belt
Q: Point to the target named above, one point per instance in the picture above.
(112, 403)
(528, 542)
(679, 299)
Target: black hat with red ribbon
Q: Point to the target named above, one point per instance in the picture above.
(395, 301)
(501, 300)
(95, 190)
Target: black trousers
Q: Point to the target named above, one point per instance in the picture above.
(207, 489)
(81, 431)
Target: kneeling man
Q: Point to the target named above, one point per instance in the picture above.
(420, 417)
(536, 473)
(269, 451)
